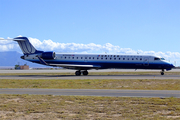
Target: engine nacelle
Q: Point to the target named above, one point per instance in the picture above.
(48, 55)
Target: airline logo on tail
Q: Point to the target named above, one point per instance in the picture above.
(25, 45)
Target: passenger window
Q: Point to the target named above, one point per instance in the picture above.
(114, 58)
(77, 57)
(123, 58)
(119, 58)
(140, 58)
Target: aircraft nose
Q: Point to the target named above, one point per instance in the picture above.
(172, 66)
(169, 66)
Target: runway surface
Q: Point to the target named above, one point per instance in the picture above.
(86, 77)
(95, 92)
(91, 77)
(73, 71)
(89, 92)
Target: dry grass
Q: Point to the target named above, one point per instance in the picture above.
(82, 107)
(94, 84)
(45, 107)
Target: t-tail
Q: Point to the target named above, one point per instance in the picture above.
(29, 50)
(26, 47)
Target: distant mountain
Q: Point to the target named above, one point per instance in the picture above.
(12, 58)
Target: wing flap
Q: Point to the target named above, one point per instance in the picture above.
(73, 66)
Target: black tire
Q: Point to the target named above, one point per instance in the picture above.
(77, 73)
(162, 73)
(85, 72)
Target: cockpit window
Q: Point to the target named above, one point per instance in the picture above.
(156, 58)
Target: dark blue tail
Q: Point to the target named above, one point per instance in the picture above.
(26, 47)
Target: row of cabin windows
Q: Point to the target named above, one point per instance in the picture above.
(111, 56)
(101, 58)
(116, 56)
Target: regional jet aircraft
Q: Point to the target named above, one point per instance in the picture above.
(84, 62)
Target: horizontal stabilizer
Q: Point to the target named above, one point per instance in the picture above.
(26, 47)
(13, 39)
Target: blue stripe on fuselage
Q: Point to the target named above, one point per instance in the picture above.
(112, 64)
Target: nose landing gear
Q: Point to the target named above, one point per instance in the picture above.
(162, 72)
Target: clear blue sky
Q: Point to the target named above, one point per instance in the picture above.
(136, 24)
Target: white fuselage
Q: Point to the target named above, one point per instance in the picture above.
(108, 60)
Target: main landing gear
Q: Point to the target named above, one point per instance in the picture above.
(162, 72)
(78, 73)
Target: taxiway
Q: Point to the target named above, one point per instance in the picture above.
(96, 92)
(85, 77)
(89, 92)
(71, 77)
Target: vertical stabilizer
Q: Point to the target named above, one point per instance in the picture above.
(25, 45)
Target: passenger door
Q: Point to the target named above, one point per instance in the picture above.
(146, 61)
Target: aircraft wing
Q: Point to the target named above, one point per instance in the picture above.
(74, 66)
(70, 66)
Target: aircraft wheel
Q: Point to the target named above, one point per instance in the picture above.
(78, 73)
(85, 72)
(162, 73)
